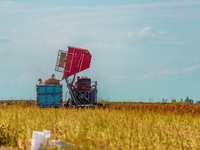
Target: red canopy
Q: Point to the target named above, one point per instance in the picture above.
(77, 60)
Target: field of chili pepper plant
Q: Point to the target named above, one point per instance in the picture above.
(121, 126)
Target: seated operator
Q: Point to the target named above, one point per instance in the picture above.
(40, 81)
(52, 80)
(76, 83)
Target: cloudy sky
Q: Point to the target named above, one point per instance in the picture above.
(140, 50)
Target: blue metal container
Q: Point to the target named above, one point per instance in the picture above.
(49, 95)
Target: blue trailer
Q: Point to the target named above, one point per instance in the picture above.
(49, 95)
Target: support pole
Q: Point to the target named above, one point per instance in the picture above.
(71, 92)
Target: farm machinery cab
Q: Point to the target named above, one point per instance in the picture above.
(83, 91)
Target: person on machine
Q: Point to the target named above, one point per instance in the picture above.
(52, 80)
(40, 81)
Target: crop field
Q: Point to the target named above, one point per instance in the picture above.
(115, 126)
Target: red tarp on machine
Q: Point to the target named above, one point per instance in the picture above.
(77, 60)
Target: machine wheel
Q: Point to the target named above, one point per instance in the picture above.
(70, 103)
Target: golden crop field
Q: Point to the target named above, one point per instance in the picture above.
(115, 127)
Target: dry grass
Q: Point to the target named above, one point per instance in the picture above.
(107, 129)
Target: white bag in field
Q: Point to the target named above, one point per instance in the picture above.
(40, 139)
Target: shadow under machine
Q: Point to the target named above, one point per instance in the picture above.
(83, 91)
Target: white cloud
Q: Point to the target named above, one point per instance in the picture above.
(119, 46)
(16, 31)
(130, 34)
(145, 32)
(191, 69)
(9, 6)
(169, 71)
(118, 78)
(166, 73)
(150, 32)
(162, 32)
(147, 76)
(159, 74)
(20, 79)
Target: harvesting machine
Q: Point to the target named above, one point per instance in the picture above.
(83, 91)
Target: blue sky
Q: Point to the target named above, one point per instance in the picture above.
(140, 50)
